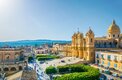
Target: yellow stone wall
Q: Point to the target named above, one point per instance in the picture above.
(112, 60)
(82, 47)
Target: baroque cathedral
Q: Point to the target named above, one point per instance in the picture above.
(84, 46)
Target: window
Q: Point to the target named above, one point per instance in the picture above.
(16, 57)
(109, 57)
(98, 61)
(115, 58)
(102, 56)
(118, 35)
(97, 56)
(91, 40)
(7, 58)
(113, 35)
(115, 65)
(109, 64)
(102, 62)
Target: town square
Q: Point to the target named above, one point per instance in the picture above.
(60, 40)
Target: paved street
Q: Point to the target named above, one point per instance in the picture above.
(40, 72)
(58, 62)
(40, 68)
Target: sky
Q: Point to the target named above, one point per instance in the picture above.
(56, 19)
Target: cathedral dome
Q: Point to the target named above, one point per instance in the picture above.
(113, 29)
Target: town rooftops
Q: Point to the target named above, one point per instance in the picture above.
(10, 49)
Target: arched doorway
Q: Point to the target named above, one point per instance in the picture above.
(20, 67)
(6, 69)
(110, 44)
(105, 45)
(13, 69)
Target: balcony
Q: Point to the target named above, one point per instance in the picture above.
(120, 61)
(115, 60)
(97, 56)
(108, 59)
(102, 58)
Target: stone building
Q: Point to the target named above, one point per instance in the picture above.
(11, 60)
(112, 40)
(56, 48)
(109, 59)
(84, 47)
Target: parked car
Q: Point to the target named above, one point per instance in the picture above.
(41, 62)
(107, 71)
(68, 59)
(111, 79)
(115, 75)
(62, 61)
(121, 76)
(111, 68)
(103, 77)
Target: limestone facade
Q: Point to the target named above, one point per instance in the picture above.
(84, 46)
(11, 60)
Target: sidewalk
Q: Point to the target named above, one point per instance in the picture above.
(108, 76)
(15, 76)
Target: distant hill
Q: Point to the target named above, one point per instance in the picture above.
(32, 42)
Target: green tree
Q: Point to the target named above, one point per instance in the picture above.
(30, 59)
(78, 72)
(50, 71)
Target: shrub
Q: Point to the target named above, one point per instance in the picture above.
(46, 57)
(51, 70)
(63, 69)
(30, 59)
(78, 72)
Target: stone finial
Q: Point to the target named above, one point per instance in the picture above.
(113, 22)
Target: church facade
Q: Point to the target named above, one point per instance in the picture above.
(84, 47)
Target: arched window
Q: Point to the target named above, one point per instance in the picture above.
(113, 35)
(6, 69)
(7, 57)
(13, 69)
(110, 44)
(118, 35)
(16, 57)
(105, 44)
(91, 40)
(20, 67)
